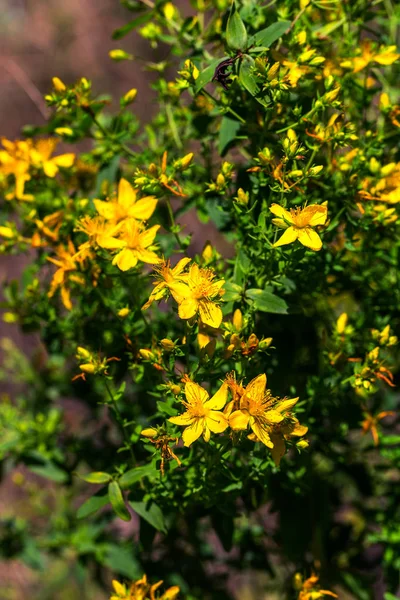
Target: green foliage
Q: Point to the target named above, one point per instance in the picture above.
(187, 397)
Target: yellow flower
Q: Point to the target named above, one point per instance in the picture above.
(259, 409)
(100, 232)
(383, 56)
(67, 267)
(126, 205)
(199, 294)
(135, 244)
(299, 224)
(202, 413)
(41, 157)
(310, 589)
(142, 590)
(15, 160)
(166, 278)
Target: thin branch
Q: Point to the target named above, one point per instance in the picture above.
(30, 89)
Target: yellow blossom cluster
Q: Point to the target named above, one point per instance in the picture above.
(120, 226)
(309, 589)
(22, 158)
(270, 419)
(195, 290)
(142, 590)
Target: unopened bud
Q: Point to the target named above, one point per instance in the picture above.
(242, 197)
(119, 55)
(123, 312)
(237, 319)
(150, 432)
(129, 97)
(87, 368)
(58, 85)
(167, 345)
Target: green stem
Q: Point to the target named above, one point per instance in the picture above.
(173, 224)
(120, 421)
(226, 108)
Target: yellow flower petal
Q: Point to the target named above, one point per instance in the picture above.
(261, 433)
(239, 420)
(50, 168)
(281, 212)
(286, 404)
(143, 208)
(105, 209)
(186, 419)
(147, 256)
(126, 194)
(206, 433)
(218, 401)
(291, 234)
(64, 160)
(279, 449)
(119, 588)
(273, 416)
(147, 237)
(125, 260)
(210, 313)
(195, 393)
(193, 432)
(180, 265)
(216, 421)
(309, 238)
(256, 388)
(317, 214)
(187, 308)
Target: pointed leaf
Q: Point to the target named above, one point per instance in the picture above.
(93, 504)
(125, 29)
(270, 34)
(227, 133)
(208, 73)
(236, 34)
(150, 513)
(246, 76)
(265, 301)
(96, 477)
(117, 501)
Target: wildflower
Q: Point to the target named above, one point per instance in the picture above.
(101, 233)
(199, 294)
(166, 278)
(202, 413)
(41, 157)
(142, 590)
(370, 423)
(383, 56)
(309, 589)
(299, 224)
(15, 160)
(259, 410)
(135, 243)
(67, 271)
(126, 205)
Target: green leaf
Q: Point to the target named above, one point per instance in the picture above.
(117, 501)
(92, 505)
(208, 73)
(227, 133)
(50, 471)
(134, 475)
(123, 31)
(246, 76)
(270, 34)
(96, 477)
(265, 301)
(120, 560)
(150, 513)
(232, 292)
(236, 34)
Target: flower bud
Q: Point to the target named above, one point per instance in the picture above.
(82, 353)
(129, 97)
(150, 432)
(6, 232)
(67, 131)
(314, 170)
(183, 163)
(123, 312)
(242, 197)
(146, 354)
(58, 85)
(119, 55)
(265, 343)
(167, 345)
(302, 444)
(87, 368)
(237, 319)
(341, 323)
